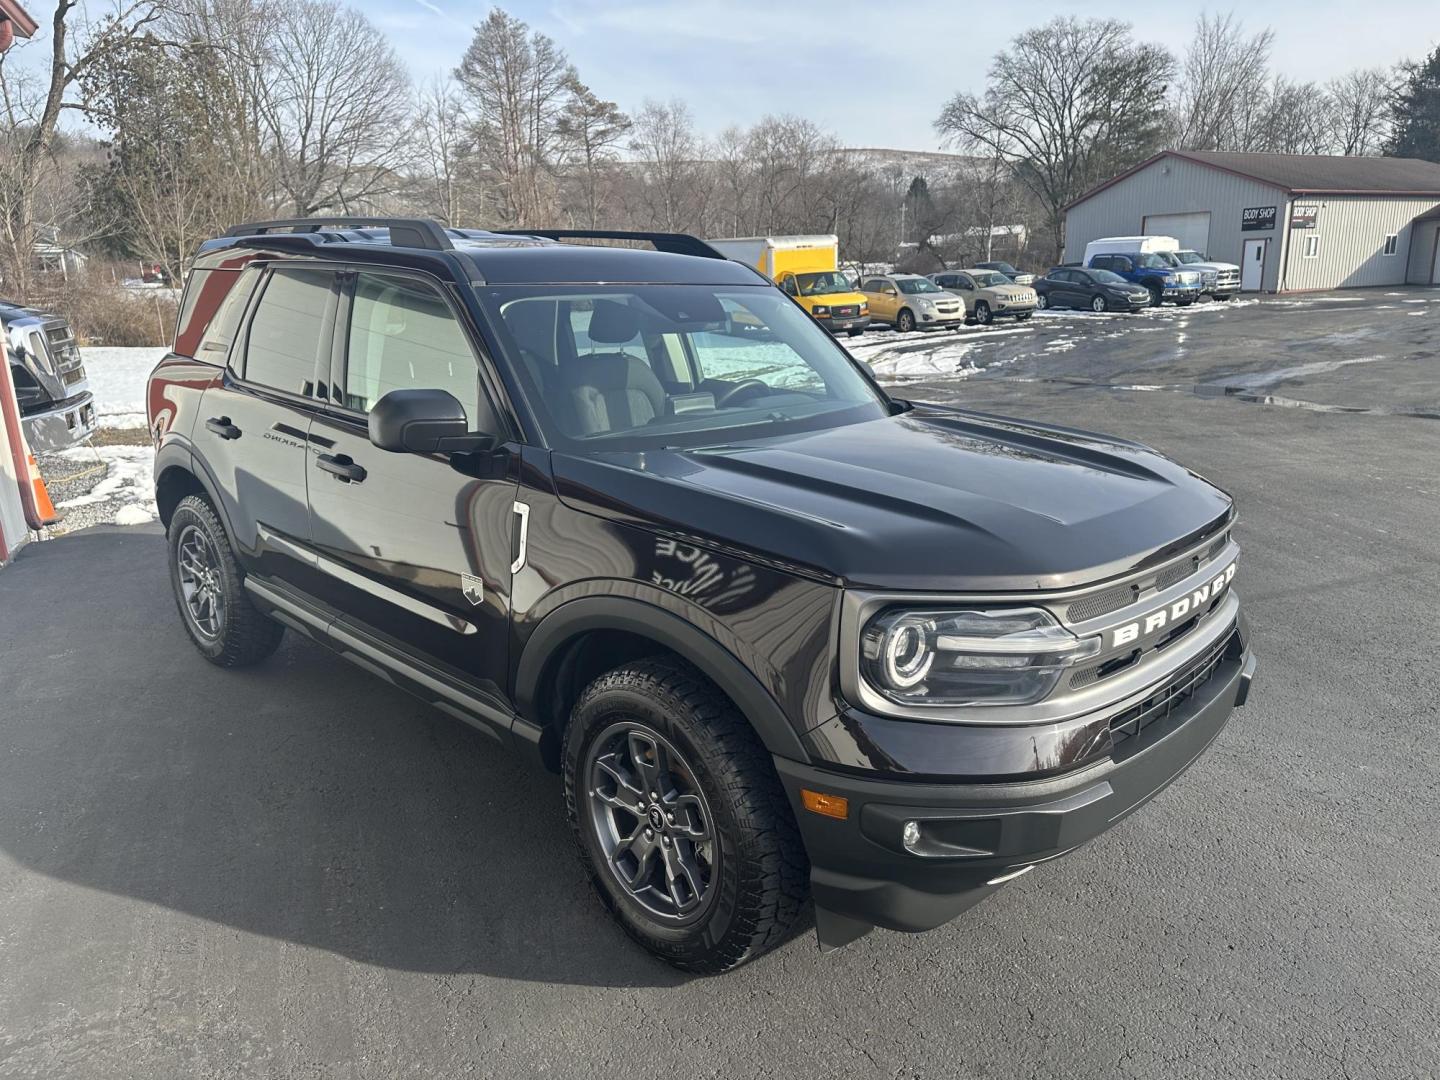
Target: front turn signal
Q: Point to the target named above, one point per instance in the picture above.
(831, 806)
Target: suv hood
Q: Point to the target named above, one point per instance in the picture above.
(933, 499)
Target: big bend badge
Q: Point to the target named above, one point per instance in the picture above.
(472, 588)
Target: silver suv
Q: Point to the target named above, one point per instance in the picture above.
(909, 301)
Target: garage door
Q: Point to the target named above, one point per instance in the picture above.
(1192, 230)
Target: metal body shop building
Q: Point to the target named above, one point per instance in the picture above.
(1290, 221)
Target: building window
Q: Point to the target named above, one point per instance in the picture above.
(1312, 247)
(1392, 243)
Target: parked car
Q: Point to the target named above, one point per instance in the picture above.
(56, 405)
(1144, 260)
(786, 638)
(1098, 290)
(1019, 277)
(1220, 280)
(909, 302)
(988, 294)
(807, 269)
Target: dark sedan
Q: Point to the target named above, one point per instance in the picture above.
(1098, 290)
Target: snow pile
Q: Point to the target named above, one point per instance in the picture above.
(117, 378)
(127, 493)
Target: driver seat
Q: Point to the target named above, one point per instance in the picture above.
(612, 391)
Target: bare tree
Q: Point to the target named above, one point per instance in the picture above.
(1068, 104)
(442, 142)
(592, 128)
(1358, 110)
(336, 106)
(1222, 92)
(516, 85)
(671, 189)
(32, 119)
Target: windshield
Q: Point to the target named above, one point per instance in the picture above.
(1106, 277)
(915, 286)
(637, 367)
(1155, 260)
(988, 279)
(831, 281)
(1190, 258)
(1003, 267)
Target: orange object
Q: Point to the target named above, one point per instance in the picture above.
(833, 806)
(40, 496)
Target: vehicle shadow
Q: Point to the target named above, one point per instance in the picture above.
(304, 800)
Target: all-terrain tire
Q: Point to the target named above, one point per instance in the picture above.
(244, 635)
(759, 876)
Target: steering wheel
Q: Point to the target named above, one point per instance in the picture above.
(743, 386)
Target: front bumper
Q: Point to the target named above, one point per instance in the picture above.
(62, 425)
(841, 326)
(1181, 292)
(925, 320)
(1015, 308)
(973, 837)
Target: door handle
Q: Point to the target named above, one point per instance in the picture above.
(221, 426)
(341, 467)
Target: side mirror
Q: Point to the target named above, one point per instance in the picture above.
(423, 422)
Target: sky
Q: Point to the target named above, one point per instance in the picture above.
(874, 74)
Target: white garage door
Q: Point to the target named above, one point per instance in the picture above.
(1192, 230)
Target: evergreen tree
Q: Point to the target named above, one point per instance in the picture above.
(1415, 111)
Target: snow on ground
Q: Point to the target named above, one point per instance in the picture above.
(126, 496)
(117, 379)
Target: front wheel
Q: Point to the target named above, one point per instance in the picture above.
(982, 313)
(905, 321)
(1098, 304)
(680, 819)
(210, 590)
(1021, 316)
(1156, 296)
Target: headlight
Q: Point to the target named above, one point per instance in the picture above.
(820, 309)
(864, 309)
(1002, 656)
(923, 303)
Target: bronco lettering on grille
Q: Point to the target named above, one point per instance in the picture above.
(1175, 611)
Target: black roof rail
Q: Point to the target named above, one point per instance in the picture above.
(674, 243)
(404, 232)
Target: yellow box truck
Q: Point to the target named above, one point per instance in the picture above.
(807, 268)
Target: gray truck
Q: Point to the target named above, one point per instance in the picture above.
(56, 405)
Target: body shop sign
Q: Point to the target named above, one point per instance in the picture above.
(1303, 217)
(1257, 217)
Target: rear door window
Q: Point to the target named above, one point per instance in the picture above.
(291, 323)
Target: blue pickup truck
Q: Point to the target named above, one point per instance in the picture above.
(1143, 263)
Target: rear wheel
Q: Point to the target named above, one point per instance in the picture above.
(210, 590)
(982, 313)
(1099, 304)
(680, 819)
(1042, 301)
(905, 321)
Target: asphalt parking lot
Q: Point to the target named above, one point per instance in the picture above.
(295, 871)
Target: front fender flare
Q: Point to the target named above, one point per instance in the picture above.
(579, 616)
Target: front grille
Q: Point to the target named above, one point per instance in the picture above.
(845, 312)
(947, 309)
(1128, 727)
(1102, 603)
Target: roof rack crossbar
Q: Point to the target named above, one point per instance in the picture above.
(404, 232)
(674, 243)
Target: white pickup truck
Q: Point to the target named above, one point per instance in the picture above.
(56, 406)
